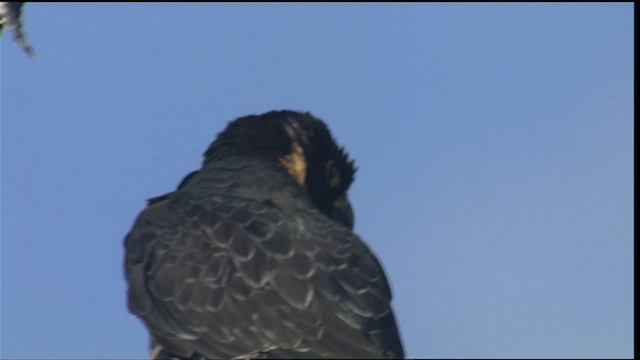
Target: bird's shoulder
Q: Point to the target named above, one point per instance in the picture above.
(211, 260)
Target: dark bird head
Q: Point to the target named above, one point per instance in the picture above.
(303, 146)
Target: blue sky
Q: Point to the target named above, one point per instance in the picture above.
(494, 145)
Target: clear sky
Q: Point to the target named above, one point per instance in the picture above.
(494, 145)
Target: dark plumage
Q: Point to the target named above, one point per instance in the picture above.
(253, 254)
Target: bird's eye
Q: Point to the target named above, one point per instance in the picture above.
(332, 174)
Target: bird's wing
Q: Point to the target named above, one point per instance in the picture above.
(227, 277)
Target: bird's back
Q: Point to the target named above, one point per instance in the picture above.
(239, 263)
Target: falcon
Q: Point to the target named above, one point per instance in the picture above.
(253, 255)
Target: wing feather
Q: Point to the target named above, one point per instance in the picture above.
(230, 277)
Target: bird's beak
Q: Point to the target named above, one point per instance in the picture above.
(342, 212)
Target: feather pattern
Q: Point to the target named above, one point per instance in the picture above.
(239, 263)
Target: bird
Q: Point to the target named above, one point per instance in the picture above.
(254, 256)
